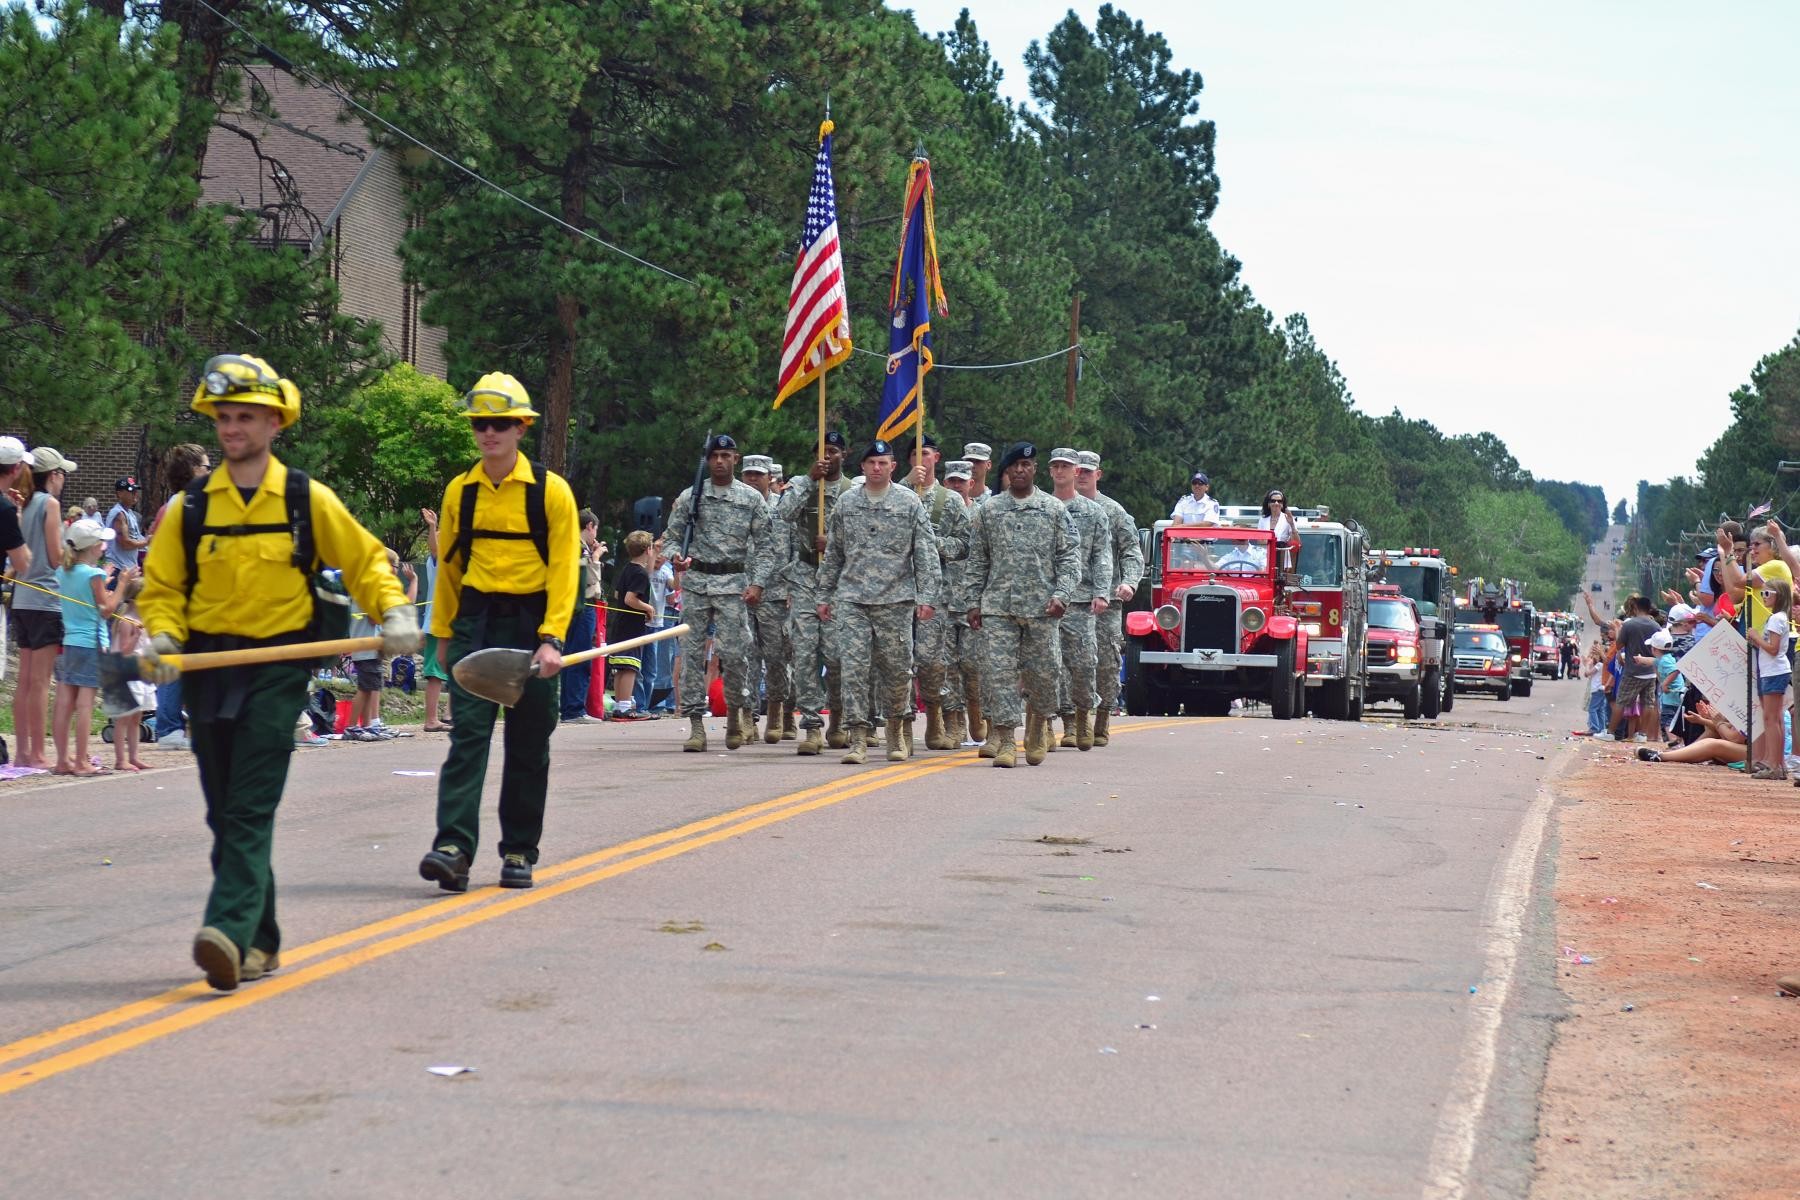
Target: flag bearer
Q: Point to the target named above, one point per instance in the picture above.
(231, 567)
(509, 570)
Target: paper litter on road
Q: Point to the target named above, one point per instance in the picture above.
(418, 774)
(448, 1071)
(1711, 887)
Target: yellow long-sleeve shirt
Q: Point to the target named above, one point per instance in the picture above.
(247, 586)
(511, 566)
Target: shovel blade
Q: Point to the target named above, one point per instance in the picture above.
(116, 673)
(496, 674)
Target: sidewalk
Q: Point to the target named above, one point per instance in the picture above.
(1677, 1072)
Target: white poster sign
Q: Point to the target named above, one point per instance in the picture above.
(1717, 665)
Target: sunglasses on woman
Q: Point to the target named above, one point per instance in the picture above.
(492, 424)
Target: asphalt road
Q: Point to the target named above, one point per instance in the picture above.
(1217, 958)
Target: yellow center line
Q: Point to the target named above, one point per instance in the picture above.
(643, 852)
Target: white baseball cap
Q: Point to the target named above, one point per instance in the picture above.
(87, 533)
(1662, 639)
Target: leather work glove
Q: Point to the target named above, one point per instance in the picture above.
(156, 670)
(400, 630)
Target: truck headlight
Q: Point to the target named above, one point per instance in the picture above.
(1515, 658)
(1408, 654)
(1168, 618)
(1254, 619)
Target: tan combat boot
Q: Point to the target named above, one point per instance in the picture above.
(896, 747)
(906, 735)
(1048, 735)
(790, 729)
(734, 728)
(772, 727)
(812, 743)
(1102, 720)
(696, 736)
(991, 746)
(835, 737)
(1005, 751)
(1038, 736)
(935, 738)
(1084, 729)
(976, 726)
(954, 732)
(858, 754)
(1068, 734)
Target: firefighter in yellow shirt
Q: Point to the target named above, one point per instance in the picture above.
(232, 566)
(509, 569)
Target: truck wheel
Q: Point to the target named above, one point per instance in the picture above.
(1281, 683)
(1449, 693)
(1353, 708)
(1334, 700)
(1413, 702)
(1523, 687)
(1506, 692)
(1431, 695)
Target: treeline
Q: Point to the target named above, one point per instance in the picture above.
(1738, 472)
(685, 133)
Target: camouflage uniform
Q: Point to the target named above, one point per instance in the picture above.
(1075, 685)
(1022, 554)
(814, 645)
(1109, 627)
(881, 559)
(933, 639)
(774, 645)
(733, 548)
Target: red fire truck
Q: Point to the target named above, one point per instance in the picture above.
(1220, 625)
(1396, 669)
(1504, 604)
(1422, 575)
(1331, 599)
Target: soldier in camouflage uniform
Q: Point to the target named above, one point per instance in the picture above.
(962, 683)
(979, 455)
(933, 640)
(729, 563)
(880, 573)
(1024, 563)
(770, 618)
(1128, 572)
(814, 643)
(1075, 692)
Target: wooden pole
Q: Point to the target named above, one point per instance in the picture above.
(1070, 365)
(821, 484)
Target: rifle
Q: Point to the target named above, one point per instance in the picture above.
(694, 494)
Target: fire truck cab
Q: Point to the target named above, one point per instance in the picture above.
(1331, 599)
(1504, 604)
(1395, 669)
(1482, 659)
(1220, 625)
(1423, 576)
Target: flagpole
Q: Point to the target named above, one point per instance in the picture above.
(822, 375)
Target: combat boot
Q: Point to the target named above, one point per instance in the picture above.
(954, 731)
(906, 735)
(734, 728)
(812, 743)
(696, 735)
(1047, 734)
(991, 746)
(772, 726)
(976, 726)
(1068, 734)
(789, 729)
(835, 737)
(1038, 736)
(1005, 751)
(935, 738)
(1102, 719)
(1084, 729)
(897, 750)
(859, 749)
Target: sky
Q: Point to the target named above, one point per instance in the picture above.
(1570, 224)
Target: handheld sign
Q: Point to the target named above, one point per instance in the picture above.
(1716, 665)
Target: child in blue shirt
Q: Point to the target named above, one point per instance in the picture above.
(86, 605)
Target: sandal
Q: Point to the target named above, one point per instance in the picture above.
(1763, 771)
(435, 728)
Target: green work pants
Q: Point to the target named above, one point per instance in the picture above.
(525, 775)
(243, 768)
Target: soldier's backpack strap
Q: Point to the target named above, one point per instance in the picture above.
(537, 520)
(937, 506)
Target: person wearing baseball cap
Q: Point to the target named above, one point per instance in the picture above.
(1024, 564)
(1197, 508)
(816, 667)
(122, 519)
(730, 561)
(1128, 572)
(36, 607)
(980, 457)
(1075, 689)
(12, 538)
(770, 666)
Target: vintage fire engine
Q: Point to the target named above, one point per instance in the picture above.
(1331, 599)
(1220, 625)
(1396, 669)
(1504, 604)
(1483, 659)
(1423, 576)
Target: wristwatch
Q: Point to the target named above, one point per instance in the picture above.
(555, 643)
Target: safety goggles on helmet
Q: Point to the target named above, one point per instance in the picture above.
(242, 379)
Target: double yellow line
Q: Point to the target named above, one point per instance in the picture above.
(364, 944)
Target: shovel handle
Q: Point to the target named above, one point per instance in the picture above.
(572, 660)
(267, 654)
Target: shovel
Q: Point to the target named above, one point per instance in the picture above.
(118, 670)
(500, 674)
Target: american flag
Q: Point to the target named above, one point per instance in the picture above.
(818, 320)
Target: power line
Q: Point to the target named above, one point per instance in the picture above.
(1023, 362)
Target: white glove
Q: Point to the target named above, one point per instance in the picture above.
(156, 670)
(400, 630)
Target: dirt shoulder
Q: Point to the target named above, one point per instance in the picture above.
(1677, 1070)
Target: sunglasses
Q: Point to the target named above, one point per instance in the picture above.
(493, 424)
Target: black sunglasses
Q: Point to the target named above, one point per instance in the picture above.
(492, 424)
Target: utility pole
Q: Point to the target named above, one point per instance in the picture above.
(1072, 364)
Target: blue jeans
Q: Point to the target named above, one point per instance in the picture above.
(575, 679)
(168, 710)
(1597, 712)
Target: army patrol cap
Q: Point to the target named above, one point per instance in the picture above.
(959, 469)
(978, 452)
(776, 472)
(756, 464)
(721, 441)
(1087, 460)
(1064, 454)
(876, 449)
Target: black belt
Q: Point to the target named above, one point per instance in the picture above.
(724, 568)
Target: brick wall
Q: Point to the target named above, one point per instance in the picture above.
(365, 261)
(99, 465)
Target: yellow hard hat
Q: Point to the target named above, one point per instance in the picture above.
(498, 395)
(242, 379)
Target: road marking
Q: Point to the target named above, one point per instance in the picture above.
(1459, 1120)
(644, 851)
